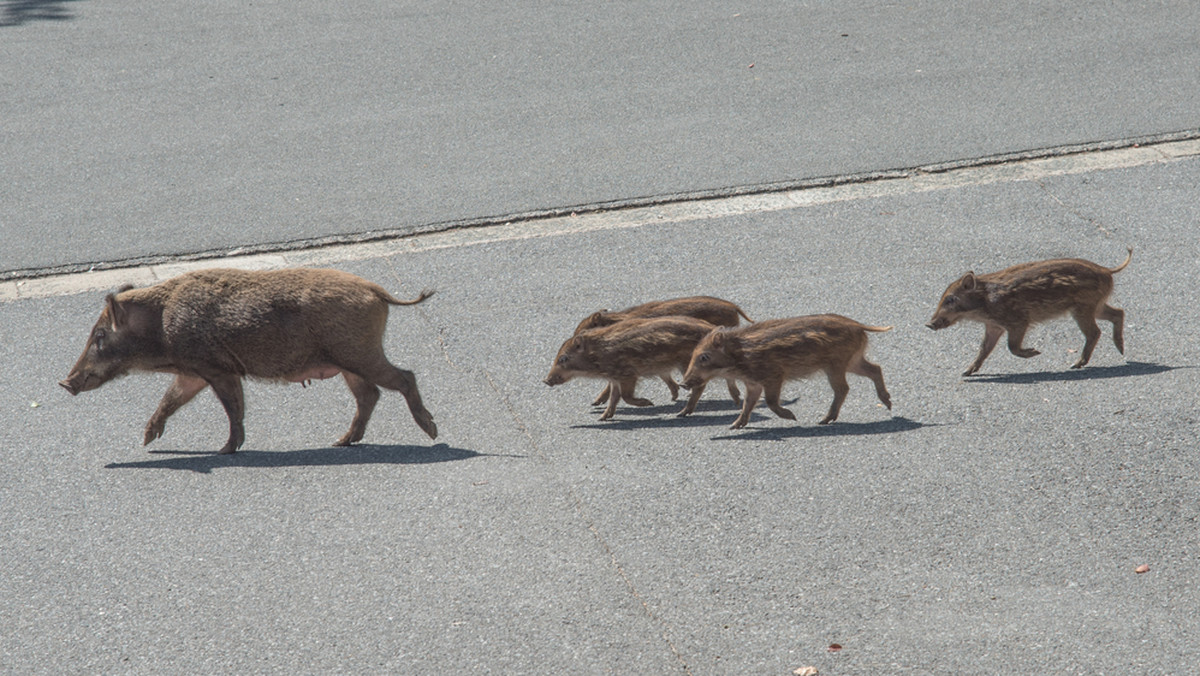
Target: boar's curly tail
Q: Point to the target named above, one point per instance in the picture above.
(425, 293)
(1122, 265)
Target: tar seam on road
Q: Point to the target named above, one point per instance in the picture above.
(1011, 167)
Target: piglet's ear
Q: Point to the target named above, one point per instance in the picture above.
(968, 281)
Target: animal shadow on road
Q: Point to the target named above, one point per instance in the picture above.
(836, 429)
(363, 454)
(1128, 369)
(17, 12)
(665, 416)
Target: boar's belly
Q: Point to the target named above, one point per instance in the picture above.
(315, 373)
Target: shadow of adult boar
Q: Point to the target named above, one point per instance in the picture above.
(214, 327)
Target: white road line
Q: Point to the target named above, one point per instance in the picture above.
(634, 217)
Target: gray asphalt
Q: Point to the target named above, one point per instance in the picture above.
(984, 525)
(130, 131)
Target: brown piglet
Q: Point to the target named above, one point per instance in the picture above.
(1015, 298)
(715, 311)
(625, 351)
(214, 327)
(766, 354)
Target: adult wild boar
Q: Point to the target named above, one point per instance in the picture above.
(214, 327)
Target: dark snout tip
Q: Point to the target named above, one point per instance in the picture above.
(66, 385)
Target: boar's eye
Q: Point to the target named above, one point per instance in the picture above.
(704, 358)
(951, 300)
(562, 360)
(98, 338)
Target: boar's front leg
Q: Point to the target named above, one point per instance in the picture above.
(228, 389)
(753, 392)
(690, 406)
(1016, 338)
(181, 391)
(991, 336)
(733, 391)
(366, 395)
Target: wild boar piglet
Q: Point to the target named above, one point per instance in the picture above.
(214, 327)
(716, 311)
(1015, 298)
(625, 351)
(766, 354)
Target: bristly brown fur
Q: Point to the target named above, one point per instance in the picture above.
(707, 308)
(213, 327)
(1015, 298)
(627, 350)
(767, 354)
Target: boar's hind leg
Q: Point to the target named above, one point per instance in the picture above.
(865, 368)
(991, 336)
(228, 389)
(404, 382)
(627, 386)
(837, 380)
(771, 392)
(1091, 334)
(181, 391)
(1117, 316)
(366, 396)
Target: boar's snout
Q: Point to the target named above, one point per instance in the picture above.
(69, 386)
(554, 379)
(938, 323)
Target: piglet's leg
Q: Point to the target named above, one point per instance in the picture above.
(181, 391)
(753, 392)
(1091, 335)
(627, 385)
(773, 391)
(865, 368)
(837, 380)
(1016, 338)
(228, 389)
(991, 336)
(602, 397)
(1117, 317)
(670, 383)
(733, 391)
(613, 397)
(694, 397)
(366, 396)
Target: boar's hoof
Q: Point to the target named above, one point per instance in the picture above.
(425, 422)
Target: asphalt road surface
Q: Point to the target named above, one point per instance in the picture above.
(983, 525)
(136, 132)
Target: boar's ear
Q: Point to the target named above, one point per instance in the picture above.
(717, 337)
(116, 309)
(968, 281)
(128, 315)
